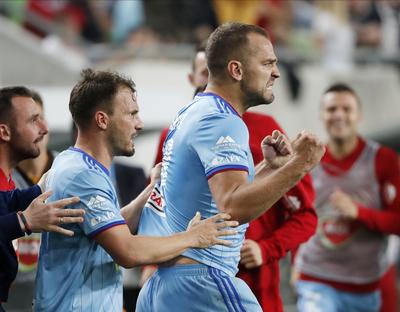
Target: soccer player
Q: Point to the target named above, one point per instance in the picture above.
(357, 187)
(207, 166)
(289, 222)
(82, 274)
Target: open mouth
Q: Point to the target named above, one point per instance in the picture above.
(133, 139)
(40, 139)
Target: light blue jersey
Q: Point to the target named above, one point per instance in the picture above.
(75, 273)
(207, 137)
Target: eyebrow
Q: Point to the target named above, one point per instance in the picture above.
(34, 116)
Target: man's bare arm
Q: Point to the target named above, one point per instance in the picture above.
(128, 250)
(131, 212)
(246, 201)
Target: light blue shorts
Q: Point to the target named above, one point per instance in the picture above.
(318, 297)
(195, 288)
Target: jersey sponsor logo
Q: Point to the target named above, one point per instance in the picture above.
(226, 143)
(224, 160)
(156, 201)
(225, 140)
(97, 202)
(337, 232)
(107, 216)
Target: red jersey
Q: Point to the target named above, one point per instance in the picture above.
(290, 222)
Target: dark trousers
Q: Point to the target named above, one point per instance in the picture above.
(1, 308)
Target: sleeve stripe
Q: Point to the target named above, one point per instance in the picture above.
(106, 227)
(216, 170)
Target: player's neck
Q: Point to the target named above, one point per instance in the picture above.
(95, 148)
(229, 94)
(341, 148)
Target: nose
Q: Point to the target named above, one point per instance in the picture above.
(338, 113)
(139, 124)
(44, 128)
(275, 72)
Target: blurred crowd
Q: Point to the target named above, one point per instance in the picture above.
(305, 28)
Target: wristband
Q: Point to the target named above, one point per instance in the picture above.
(25, 222)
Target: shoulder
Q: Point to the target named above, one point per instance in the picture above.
(385, 153)
(212, 105)
(77, 173)
(222, 125)
(386, 162)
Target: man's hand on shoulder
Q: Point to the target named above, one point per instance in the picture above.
(41, 216)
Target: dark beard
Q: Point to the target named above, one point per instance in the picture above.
(123, 152)
(252, 98)
(20, 151)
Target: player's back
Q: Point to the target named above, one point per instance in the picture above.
(207, 137)
(75, 273)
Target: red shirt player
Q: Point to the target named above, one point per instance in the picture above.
(357, 187)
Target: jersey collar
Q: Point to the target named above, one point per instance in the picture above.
(101, 166)
(222, 99)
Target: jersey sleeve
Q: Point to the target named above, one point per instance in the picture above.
(299, 225)
(98, 200)
(388, 174)
(221, 143)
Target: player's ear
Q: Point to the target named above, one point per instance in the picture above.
(101, 118)
(191, 79)
(235, 70)
(5, 132)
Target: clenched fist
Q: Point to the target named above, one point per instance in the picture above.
(307, 150)
(276, 149)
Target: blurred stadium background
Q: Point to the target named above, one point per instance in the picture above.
(45, 43)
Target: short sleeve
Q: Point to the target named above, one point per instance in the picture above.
(97, 199)
(221, 143)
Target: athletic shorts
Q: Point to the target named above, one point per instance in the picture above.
(195, 288)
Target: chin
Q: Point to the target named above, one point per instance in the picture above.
(130, 152)
(124, 152)
(269, 99)
(34, 151)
